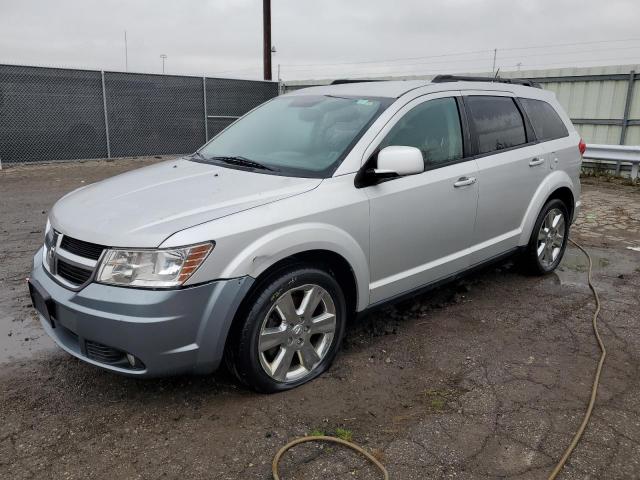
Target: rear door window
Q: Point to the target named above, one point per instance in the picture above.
(497, 122)
(546, 123)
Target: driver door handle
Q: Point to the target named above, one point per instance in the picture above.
(464, 181)
(536, 161)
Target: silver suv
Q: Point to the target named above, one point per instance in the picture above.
(312, 208)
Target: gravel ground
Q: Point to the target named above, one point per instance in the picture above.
(485, 378)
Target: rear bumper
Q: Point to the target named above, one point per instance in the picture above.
(168, 331)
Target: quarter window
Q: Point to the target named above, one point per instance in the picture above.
(546, 123)
(434, 128)
(498, 123)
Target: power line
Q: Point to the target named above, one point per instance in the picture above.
(235, 70)
(385, 61)
(385, 68)
(484, 59)
(480, 69)
(485, 51)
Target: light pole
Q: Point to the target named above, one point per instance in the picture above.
(273, 52)
(163, 57)
(266, 40)
(126, 53)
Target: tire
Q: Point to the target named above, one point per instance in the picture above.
(268, 333)
(548, 242)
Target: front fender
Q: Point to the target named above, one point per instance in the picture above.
(555, 180)
(293, 239)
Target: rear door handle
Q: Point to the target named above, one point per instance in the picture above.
(464, 181)
(536, 161)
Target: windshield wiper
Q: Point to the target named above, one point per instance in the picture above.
(241, 161)
(198, 155)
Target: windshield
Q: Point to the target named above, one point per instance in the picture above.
(306, 135)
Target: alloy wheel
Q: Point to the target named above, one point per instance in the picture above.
(297, 333)
(551, 237)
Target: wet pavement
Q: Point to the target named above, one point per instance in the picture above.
(487, 378)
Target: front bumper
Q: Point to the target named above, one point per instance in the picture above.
(168, 331)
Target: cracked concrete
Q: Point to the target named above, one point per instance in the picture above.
(484, 379)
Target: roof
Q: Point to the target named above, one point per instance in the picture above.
(397, 88)
(391, 89)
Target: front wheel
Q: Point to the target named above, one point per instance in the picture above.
(548, 239)
(291, 330)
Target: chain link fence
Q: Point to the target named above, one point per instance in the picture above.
(49, 114)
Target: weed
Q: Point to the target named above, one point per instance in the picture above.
(316, 432)
(346, 435)
(438, 398)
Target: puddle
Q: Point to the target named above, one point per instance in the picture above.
(22, 337)
(575, 265)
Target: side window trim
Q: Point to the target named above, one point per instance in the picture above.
(467, 146)
(529, 134)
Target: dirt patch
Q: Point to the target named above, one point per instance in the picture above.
(486, 378)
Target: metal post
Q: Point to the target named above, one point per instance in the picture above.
(627, 109)
(204, 104)
(106, 117)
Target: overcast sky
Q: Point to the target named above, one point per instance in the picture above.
(224, 37)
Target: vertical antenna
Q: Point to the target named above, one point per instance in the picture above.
(495, 54)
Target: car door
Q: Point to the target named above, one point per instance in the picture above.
(422, 225)
(511, 166)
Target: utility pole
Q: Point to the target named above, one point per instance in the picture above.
(266, 30)
(493, 68)
(163, 57)
(126, 53)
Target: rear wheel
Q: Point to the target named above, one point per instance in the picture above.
(548, 239)
(291, 330)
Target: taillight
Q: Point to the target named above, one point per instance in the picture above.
(582, 147)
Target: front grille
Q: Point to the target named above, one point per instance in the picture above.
(73, 274)
(81, 248)
(101, 353)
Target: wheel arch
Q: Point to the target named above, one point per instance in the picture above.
(327, 260)
(312, 244)
(556, 185)
(566, 196)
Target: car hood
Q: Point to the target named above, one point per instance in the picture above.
(143, 207)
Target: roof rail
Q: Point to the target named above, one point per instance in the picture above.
(342, 81)
(461, 78)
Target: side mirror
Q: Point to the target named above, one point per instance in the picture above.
(398, 161)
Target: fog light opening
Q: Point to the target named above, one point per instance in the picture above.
(132, 360)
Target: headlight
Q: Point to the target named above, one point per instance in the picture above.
(163, 268)
(49, 245)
